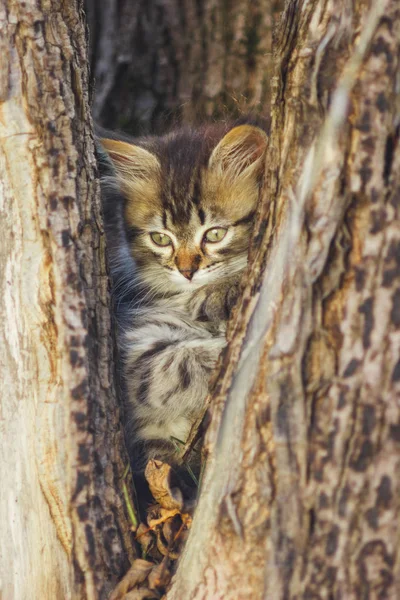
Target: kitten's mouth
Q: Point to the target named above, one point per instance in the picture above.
(196, 275)
(188, 273)
(189, 280)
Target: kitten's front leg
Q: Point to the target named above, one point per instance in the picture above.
(215, 302)
(167, 369)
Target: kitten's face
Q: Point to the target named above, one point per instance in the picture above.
(189, 215)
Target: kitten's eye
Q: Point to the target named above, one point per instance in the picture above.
(161, 239)
(215, 235)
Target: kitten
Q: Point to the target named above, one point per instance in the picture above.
(179, 211)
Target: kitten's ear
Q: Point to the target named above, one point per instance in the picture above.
(240, 153)
(134, 166)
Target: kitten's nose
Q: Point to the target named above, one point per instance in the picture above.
(187, 262)
(188, 273)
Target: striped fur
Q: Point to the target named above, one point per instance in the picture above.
(179, 211)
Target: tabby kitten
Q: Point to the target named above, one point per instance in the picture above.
(179, 210)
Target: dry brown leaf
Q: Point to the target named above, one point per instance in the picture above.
(170, 530)
(164, 535)
(160, 576)
(137, 574)
(159, 477)
(187, 520)
(165, 514)
(145, 537)
(164, 548)
(175, 532)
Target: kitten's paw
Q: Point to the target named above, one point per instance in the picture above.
(214, 304)
(232, 297)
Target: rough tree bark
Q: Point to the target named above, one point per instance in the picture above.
(63, 532)
(302, 490)
(301, 494)
(162, 62)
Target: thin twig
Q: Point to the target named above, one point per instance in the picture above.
(129, 505)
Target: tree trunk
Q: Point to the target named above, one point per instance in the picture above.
(300, 498)
(63, 530)
(158, 63)
(301, 493)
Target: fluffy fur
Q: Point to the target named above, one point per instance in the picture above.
(179, 211)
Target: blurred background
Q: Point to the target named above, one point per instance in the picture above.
(159, 63)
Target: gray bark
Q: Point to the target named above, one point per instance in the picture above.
(156, 64)
(301, 494)
(63, 530)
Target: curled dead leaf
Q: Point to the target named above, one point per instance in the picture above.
(159, 476)
(145, 537)
(136, 575)
(160, 576)
(165, 514)
(165, 548)
(162, 537)
(170, 530)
